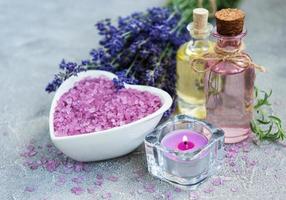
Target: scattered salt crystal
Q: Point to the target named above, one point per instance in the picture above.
(149, 188)
(30, 147)
(233, 189)
(113, 178)
(51, 165)
(106, 195)
(61, 180)
(208, 190)
(253, 163)
(32, 164)
(77, 180)
(139, 173)
(90, 190)
(193, 196)
(78, 167)
(99, 176)
(98, 182)
(29, 189)
(77, 190)
(178, 190)
(217, 181)
(32, 153)
(169, 196)
(232, 163)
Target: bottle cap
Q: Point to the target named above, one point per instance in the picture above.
(229, 21)
(200, 19)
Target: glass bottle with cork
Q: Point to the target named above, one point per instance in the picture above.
(190, 83)
(230, 76)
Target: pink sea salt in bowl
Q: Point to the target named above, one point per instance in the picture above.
(109, 143)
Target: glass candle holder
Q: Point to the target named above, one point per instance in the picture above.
(184, 151)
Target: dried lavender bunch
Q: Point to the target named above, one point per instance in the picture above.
(139, 49)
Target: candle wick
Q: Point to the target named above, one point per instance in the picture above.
(185, 140)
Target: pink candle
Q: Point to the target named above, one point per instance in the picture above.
(184, 140)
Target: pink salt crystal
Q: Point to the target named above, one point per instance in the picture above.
(77, 180)
(33, 165)
(217, 181)
(250, 163)
(244, 157)
(90, 190)
(231, 163)
(60, 181)
(98, 182)
(178, 190)
(193, 196)
(169, 195)
(24, 154)
(139, 173)
(32, 153)
(52, 165)
(30, 147)
(113, 178)
(94, 105)
(78, 167)
(99, 176)
(106, 195)
(208, 190)
(29, 189)
(233, 189)
(77, 190)
(149, 188)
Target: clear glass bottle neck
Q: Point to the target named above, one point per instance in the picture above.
(229, 42)
(200, 39)
(199, 44)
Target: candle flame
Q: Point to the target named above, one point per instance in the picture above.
(185, 139)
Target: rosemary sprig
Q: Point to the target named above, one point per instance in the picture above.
(265, 124)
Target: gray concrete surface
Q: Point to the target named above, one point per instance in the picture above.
(36, 35)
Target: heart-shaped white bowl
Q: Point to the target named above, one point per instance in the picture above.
(112, 142)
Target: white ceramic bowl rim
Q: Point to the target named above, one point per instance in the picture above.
(166, 103)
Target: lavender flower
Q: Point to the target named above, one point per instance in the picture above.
(139, 49)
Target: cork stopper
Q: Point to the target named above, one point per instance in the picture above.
(200, 19)
(229, 22)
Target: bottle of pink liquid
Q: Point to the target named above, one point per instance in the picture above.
(229, 81)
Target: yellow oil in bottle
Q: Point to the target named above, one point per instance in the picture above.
(190, 83)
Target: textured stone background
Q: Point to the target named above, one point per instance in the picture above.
(36, 35)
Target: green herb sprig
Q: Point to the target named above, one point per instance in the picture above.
(265, 124)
